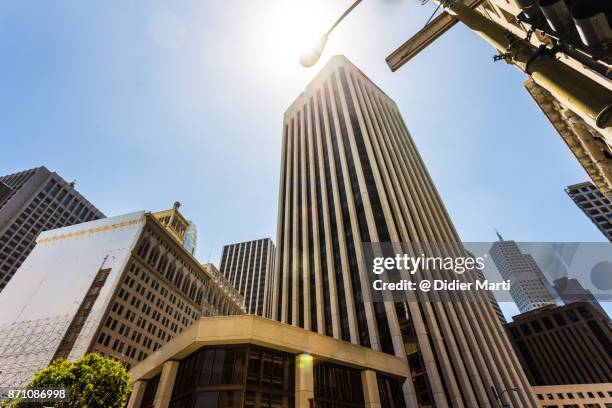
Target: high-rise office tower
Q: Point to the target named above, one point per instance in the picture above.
(33, 201)
(528, 286)
(122, 286)
(248, 266)
(350, 173)
(594, 204)
(569, 344)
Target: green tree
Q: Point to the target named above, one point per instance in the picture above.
(93, 381)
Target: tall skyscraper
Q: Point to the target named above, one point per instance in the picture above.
(33, 201)
(122, 286)
(350, 173)
(248, 266)
(569, 344)
(594, 204)
(528, 286)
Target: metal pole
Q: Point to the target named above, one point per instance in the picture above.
(497, 399)
(346, 13)
(587, 98)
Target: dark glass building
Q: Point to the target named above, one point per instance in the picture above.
(569, 344)
(33, 201)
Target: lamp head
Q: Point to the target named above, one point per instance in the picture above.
(310, 57)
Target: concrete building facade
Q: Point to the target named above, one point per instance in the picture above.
(350, 173)
(569, 344)
(594, 204)
(248, 361)
(121, 286)
(248, 266)
(33, 201)
(528, 285)
(574, 396)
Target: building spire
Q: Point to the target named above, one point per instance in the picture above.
(498, 234)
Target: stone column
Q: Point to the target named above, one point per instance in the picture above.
(166, 383)
(371, 395)
(138, 391)
(304, 380)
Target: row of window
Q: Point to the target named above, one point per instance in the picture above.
(578, 395)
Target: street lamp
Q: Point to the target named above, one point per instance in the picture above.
(310, 57)
(499, 395)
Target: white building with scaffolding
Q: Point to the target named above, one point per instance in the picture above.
(120, 286)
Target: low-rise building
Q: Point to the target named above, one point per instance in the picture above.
(249, 361)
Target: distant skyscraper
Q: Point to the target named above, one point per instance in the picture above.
(122, 286)
(569, 344)
(350, 173)
(528, 285)
(248, 266)
(33, 201)
(594, 204)
(570, 290)
(191, 237)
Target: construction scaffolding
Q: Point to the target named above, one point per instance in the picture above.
(28, 346)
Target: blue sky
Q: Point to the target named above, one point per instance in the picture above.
(148, 102)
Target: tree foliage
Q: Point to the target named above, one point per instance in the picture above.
(93, 381)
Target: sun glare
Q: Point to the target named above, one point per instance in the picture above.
(291, 27)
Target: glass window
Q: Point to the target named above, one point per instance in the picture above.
(149, 394)
(218, 377)
(390, 390)
(337, 386)
(217, 368)
(208, 399)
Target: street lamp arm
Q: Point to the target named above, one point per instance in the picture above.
(311, 56)
(346, 13)
(508, 390)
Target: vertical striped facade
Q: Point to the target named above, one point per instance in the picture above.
(248, 266)
(351, 174)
